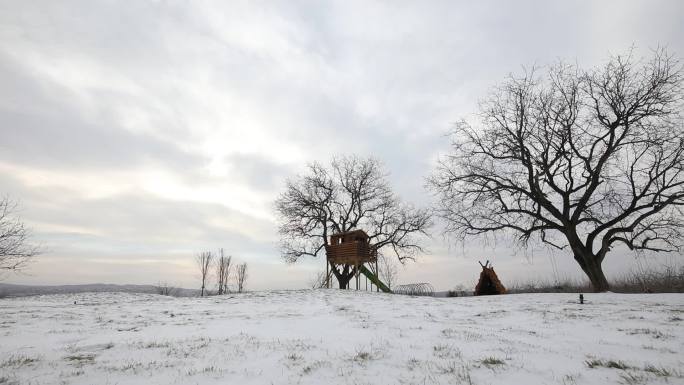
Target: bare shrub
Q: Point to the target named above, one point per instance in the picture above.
(565, 285)
(459, 291)
(318, 281)
(389, 270)
(163, 288)
(664, 278)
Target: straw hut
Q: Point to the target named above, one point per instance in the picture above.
(489, 283)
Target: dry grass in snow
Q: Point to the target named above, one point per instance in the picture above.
(342, 337)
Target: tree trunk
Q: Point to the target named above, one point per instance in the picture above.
(344, 279)
(597, 278)
(344, 276)
(592, 268)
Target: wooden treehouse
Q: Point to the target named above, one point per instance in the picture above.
(349, 253)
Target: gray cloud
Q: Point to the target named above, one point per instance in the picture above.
(44, 127)
(150, 130)
(137, 221)
(257, 171)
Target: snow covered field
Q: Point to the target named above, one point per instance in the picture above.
(341, 337)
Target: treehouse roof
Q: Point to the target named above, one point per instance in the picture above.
(352, 234)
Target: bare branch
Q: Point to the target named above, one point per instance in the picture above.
(16, 251)
(580, 159)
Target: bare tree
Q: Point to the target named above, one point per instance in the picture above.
(163, 288)
(580, 160)
(222, 272)
(352, 193)
(389, 269)
(241, 276)
(15, 250)
(204, 260)
(318, 281)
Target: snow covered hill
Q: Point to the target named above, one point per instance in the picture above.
(12, 290)
(341, 337)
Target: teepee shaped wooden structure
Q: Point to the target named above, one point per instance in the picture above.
(489, 283)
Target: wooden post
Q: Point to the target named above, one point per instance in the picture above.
(377, 274)
(358, 277)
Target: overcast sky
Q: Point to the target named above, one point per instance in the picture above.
(136, 134)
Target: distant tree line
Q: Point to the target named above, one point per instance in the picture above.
(222, 266)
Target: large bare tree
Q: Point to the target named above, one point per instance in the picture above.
(581, 160)
(204, 260)
(16, 251)
(351, 193)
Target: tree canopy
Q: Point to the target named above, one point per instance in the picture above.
(350, 193)
(581, 160)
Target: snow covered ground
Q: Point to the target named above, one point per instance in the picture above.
(341, 337)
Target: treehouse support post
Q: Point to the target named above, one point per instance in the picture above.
(377, 273)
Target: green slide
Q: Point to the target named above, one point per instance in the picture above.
(374, 279)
